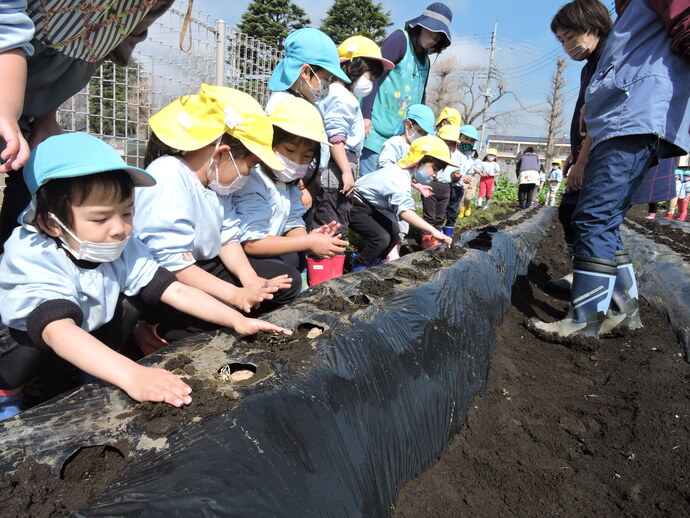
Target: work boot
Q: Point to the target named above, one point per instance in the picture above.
(10, 402)
(624, 313)
(448, 231)
(593, 281)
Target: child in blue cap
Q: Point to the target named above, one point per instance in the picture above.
(71, 277)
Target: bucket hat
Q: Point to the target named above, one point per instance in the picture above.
(451, 115)
(428, 145)
(302, 46)
(194, 121)
(422, 115)
(70, 155)
(298, 117)
(362, 47)
(436, 18)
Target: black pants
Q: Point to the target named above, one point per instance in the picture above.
(332, 205)
(175, 325)
(456, 194)
(527, 193)
(379, 231)
(16, 199)
(21, 360)
(434, 207)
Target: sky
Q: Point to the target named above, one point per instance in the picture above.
(526, 50)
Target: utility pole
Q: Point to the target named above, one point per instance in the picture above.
(487, 87)
(554, 118)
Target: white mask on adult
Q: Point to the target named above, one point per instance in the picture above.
(88, 250)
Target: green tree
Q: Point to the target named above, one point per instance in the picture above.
(271, 21)
(347, 18)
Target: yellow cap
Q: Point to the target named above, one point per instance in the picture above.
(492, 151)
(451, 115)
(362, 47)
(428, 145)
(449, 132)
(298, 117)
(194, 121)
(557, 161)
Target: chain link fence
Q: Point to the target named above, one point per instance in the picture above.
(118, 102)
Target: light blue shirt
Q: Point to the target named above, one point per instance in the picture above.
(266, 209)
(387, 189)
(181, 220)
(466, 164)
(640, 86)
(556, 174)
(490, 168)
(34, 270)
(16, 28)
(393, 149)
(342, 116)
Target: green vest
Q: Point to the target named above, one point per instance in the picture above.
(403, 87)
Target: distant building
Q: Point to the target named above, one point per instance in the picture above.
(509, 149)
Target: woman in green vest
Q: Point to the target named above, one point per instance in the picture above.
(385, 108)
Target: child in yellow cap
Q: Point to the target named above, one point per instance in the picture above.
(448, 115)
(361, 62)
(389, 190)
(269, 207)
(201, 150)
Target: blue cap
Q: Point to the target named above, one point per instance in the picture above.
(75, 154)
(469, 131)
(422, 115)
(305, 46)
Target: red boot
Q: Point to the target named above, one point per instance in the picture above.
(147, 338)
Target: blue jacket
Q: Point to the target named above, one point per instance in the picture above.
(640, 86)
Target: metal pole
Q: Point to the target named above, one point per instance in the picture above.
(220, 52)
(487, 93)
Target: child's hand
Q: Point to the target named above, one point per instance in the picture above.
(330, 230)
(16, 148)
(447, 240)
(306, 199)
(250, 326)
(151, 384)
(324, 245)
(348, 183)
(424, 190)
(281, 282)
(252, 295)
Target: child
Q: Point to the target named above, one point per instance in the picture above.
(671, 203)
(361, 61)
(448, 115)
(311, 60)
(200, 152)
(555, 179)
(435, 206)
(388, 189)
(489, 171)
(683, 195)
(66, 269)
(469, 184)
(468, 137)
(269, 207)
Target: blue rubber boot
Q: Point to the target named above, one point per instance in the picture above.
(593, 281)
(624, 313)
(357, 266)
(11, 404)
(448, 231)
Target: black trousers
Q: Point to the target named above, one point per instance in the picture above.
(379, 231)
(16, 199)
(527, 193)
(175, 325)
(456, 194)
(435, 206)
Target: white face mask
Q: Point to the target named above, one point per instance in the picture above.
(411, 134)
(293, 171)
(321, 93)
(216, 186)
(362, 87)
(90, 251)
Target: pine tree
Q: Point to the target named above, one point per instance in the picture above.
(347, 18)
(271, 21)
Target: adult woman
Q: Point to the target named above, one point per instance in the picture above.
(386, 106)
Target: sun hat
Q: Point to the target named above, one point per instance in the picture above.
(305, 46)
(298, 117)
(469, 131)
(436, 18)
(70, 155)
(492, 151)
(362, 47)
(557, 161)
(449, 132)
(422, 115)
(451, 115)
(194, 121)
(428, 145)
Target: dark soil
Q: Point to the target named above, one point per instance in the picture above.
(378, 288)
(561, 432)
(660, 231)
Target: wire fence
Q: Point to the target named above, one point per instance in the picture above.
(118, 102)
